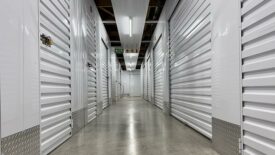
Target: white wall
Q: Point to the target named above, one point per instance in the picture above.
(19, 66)
(226, 61)
(131, 83)
(125, 79)
(118, 81)
(135, 84)
(115, 66)
(78, 54)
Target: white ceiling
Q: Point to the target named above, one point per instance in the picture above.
(137, 10)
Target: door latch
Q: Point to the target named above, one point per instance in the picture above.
(46, 40)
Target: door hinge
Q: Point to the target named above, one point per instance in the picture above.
(240, 146)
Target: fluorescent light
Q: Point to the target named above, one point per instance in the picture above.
(130, 27)
(130, 60)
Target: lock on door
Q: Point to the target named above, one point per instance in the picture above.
(89, 65)
(46, 40)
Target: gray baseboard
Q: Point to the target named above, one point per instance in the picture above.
(79, 120)
(225, 137)
(26, 142)
(99, 107)
(166, 108)
(110, 102)
(153, 101)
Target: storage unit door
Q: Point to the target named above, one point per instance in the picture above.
(190, 65)
(145, 82)
(91, 77)
(104, 74)
(141, 79)
(55, 74)
(149, 83)
(158, 75)
(258, 68)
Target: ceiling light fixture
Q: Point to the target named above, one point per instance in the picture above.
(130, 27)
(130, 60)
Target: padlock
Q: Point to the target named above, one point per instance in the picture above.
(46, 40)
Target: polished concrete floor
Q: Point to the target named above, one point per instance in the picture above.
(134, 127)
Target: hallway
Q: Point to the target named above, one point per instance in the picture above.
(188, 77)
(134, 127)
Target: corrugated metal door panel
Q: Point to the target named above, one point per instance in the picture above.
(190, 65)
(158, 74)
(142, 80)
(258, 68)
(145, 82)
(91, 77)
(149, 83)
(55, 75)
(104, 73)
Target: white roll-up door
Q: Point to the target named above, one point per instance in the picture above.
(149, 83)
(141, 79)
(258, 68)
(91, 77)
(190, 65)
(145, 82)
(158, 74)
(104, 74)
(55, 74)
